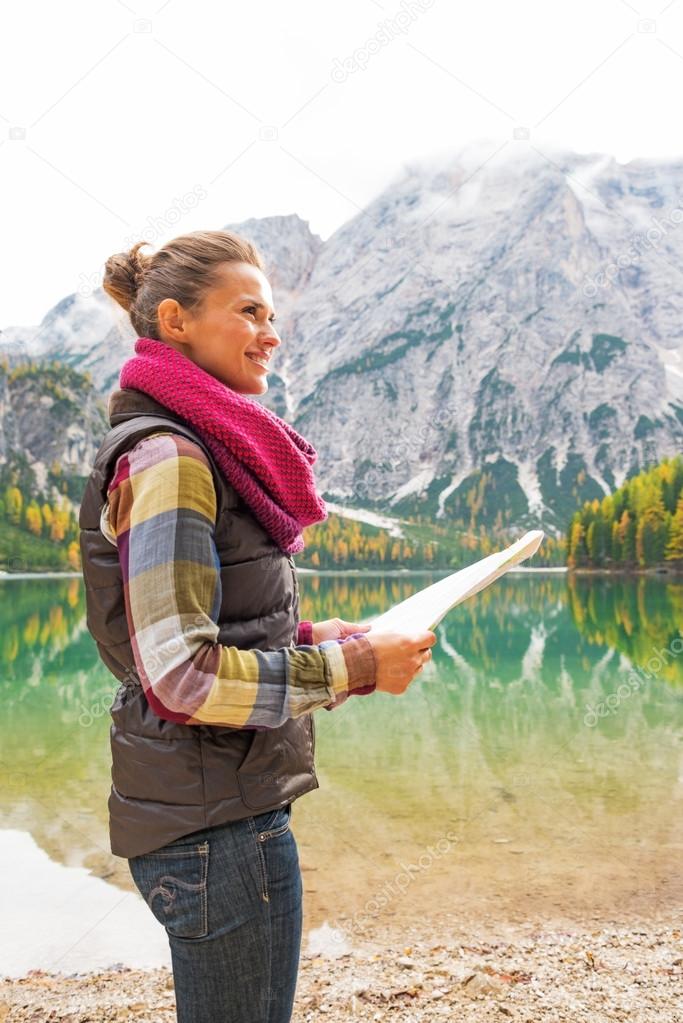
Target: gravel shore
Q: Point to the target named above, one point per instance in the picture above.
(528, 974)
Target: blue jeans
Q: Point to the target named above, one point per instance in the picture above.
(230, 899)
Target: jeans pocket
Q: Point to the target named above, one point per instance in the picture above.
(274, 823)
(173, 883)
(264, 827)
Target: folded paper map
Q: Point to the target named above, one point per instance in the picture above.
(425, 609)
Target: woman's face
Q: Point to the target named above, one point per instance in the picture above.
(233, 327)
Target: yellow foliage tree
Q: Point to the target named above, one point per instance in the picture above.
(14, 503)
(73, 555)
(34, 519)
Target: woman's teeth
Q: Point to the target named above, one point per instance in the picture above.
(259, 360)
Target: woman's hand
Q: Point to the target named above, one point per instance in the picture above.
(335, 628)
(400, 658)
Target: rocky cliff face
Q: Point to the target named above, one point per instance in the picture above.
(51, 423)
(467, 354)
(502, 341)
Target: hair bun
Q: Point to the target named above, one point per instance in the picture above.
(136, 265)
(124, 275)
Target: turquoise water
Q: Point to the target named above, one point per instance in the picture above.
(534, 768)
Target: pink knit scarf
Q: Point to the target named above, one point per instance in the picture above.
(263, 457)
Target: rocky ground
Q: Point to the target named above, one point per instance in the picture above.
(531, 975)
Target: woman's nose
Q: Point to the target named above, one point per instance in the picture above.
(272, 339)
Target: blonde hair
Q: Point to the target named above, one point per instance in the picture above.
(184, 269)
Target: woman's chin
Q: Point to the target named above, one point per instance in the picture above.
(259, 386)
(247, 386)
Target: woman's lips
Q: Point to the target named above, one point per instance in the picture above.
(260, 364)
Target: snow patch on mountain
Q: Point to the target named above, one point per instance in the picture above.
(392, 525)
(528, 481)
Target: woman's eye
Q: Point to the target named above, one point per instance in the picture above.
(252, 309)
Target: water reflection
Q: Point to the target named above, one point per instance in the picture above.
(549, 809)
(638, 618)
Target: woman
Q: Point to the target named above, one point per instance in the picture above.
(189, 521)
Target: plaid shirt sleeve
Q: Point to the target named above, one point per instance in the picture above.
(160, 513)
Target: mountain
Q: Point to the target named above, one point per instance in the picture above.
(51, 423)
(493, 340)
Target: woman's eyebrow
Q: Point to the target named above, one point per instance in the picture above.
(255, 301)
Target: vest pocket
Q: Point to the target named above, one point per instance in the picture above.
(263, 775)
(173, 883)
(278, 766)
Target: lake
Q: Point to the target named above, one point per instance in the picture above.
(534, 770)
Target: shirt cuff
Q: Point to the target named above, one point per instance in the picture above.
(354, 668)
(305, 633)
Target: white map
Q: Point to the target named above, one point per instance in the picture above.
(425, 609)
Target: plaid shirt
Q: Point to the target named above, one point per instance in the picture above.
(160, 513)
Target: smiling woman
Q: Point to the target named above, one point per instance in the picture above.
(196, 502)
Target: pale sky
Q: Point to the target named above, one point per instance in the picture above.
(120, 121)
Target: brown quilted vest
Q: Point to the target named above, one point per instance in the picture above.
(171, 779)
